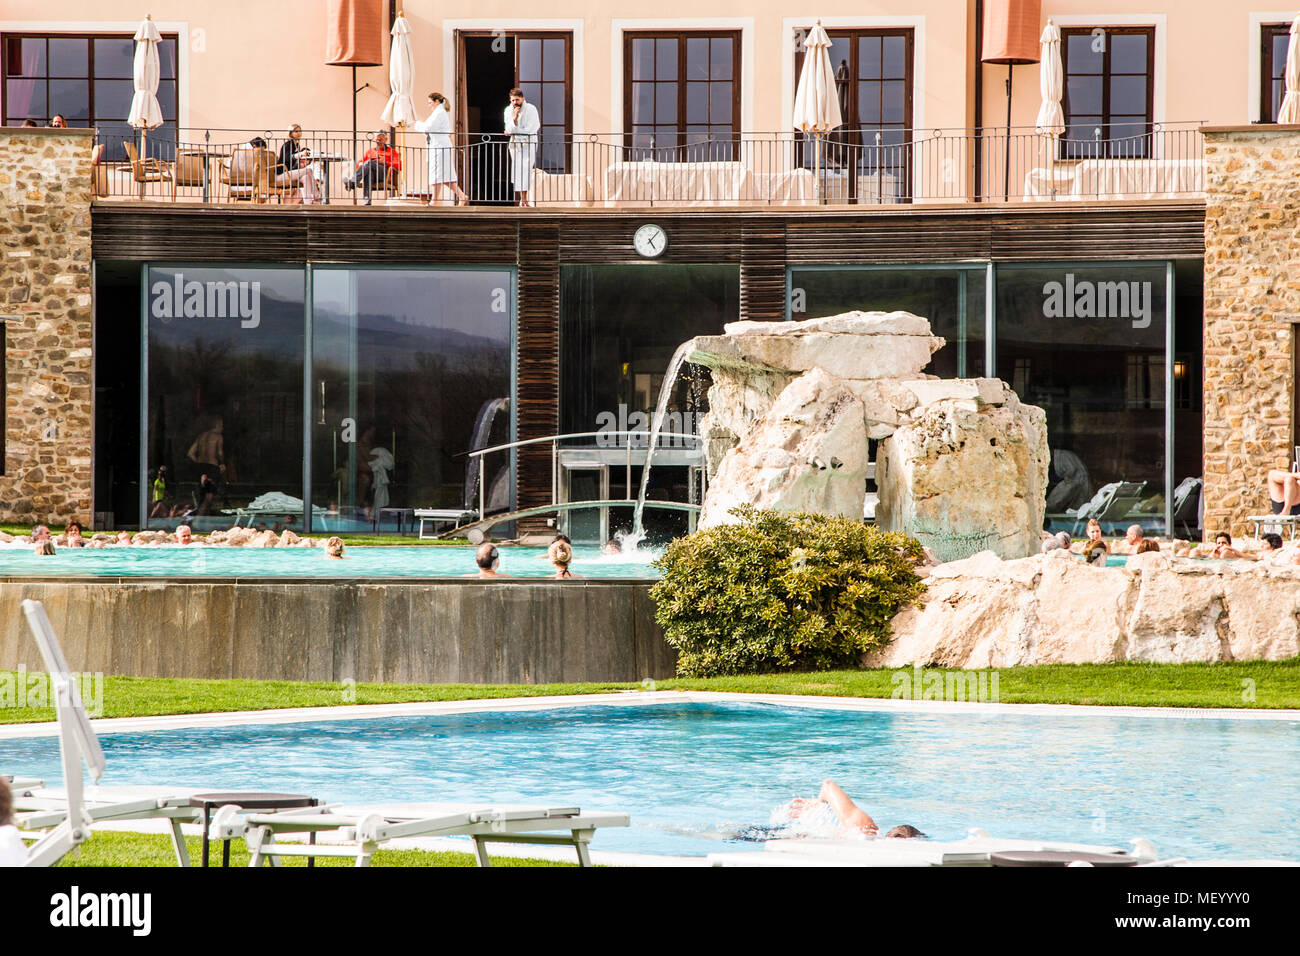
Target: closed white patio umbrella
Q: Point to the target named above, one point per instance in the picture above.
(145, 113)
(400, 109)
(1051, 83)
(1289, 113)
(816, 100)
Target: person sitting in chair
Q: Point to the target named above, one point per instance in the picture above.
(1284, 492)
(378, 167)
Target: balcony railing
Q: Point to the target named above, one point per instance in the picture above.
(847, 167)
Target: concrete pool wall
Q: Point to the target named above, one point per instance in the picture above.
(404, 631)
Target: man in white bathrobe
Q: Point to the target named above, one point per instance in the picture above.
(522, 124)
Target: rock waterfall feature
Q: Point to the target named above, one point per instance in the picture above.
(961, 463)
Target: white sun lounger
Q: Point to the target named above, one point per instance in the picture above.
(68, 818)
(360, 835)
(975, 850)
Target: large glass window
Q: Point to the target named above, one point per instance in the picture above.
(410, 371)
(1086, 343)
(868, 158)
(681, 95)
(224, 399)
(1274, 40)
(87, 79)
(952, 298)
(619, 328)
(1108, 83)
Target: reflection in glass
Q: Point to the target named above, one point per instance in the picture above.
(115, 57)
(1086, 343)
(619, 327)
(553, 70)
(225, 367)
(404, 361)
(530, 60)
(952, 299)
(69, 58)
(70, 98)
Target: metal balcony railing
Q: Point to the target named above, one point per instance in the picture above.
(847, 167)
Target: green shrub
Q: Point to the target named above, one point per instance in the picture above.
(782, 591)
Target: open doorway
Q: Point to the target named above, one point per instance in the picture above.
(489, 65)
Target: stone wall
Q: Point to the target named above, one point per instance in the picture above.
(1252, 302)
(45, 300)
(425, 632)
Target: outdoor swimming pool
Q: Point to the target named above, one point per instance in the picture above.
(360, 562)
(690, 774)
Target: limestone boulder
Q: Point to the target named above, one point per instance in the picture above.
(807, 453)
(1080, 612)
(1052, 608)
(1263, 619)
(967, 476)
(1179, 616)
(855, 345)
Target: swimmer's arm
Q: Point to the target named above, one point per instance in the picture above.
(849, 813)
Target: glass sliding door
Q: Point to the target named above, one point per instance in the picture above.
(224, 403)
(411, 370)
(1086, 343)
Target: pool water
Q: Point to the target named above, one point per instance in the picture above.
(693, 775)
(428, 561)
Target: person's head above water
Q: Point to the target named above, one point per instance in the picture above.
(487, 556)
(905, 831)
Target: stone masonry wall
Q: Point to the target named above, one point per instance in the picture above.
(45, 300)
(1252, 302)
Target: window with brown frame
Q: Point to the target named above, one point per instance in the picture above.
(681, 95)
(86, 78)
(542, 70)
(869, 157)
(1274, 39)
(1109, 75)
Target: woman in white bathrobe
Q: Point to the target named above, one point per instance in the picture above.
(442, 154)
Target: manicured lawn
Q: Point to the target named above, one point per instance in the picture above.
(1255, 684)
(106, 848)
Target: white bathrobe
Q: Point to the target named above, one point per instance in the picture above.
(523, 145)
(442, 155)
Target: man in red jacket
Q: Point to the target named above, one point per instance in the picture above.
(377, 168)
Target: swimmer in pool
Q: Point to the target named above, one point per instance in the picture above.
(853, 820)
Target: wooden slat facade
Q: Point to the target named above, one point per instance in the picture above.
(537, 362)
(762, 242)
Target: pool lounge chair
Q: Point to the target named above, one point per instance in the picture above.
(68, 818)
(436, 516)
(1111, 505)
(361, 834)
(977, 849)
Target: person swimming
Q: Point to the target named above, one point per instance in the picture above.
(831, 815)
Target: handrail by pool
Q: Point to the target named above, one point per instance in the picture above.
(484, 524)
(555, 460)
